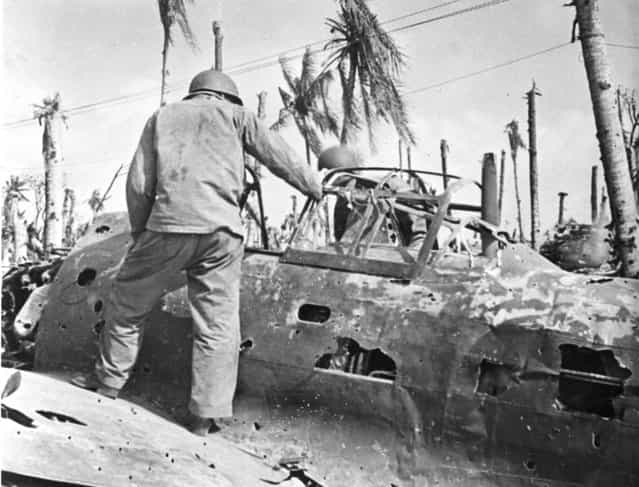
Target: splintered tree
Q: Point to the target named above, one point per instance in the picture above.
(51, 117)
(173, 12)
(14, 227)
(515, 141)
(502, 172)
(629, 120)
(613, 156)
(68, 215)
(369, 64)
(307, 103)
(535, 230)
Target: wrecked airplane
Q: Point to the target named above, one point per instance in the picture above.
(385, 346)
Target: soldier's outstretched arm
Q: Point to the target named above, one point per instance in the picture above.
(141, 180)
(279, 157)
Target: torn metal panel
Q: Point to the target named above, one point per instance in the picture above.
(115, 443)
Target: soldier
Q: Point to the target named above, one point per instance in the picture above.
(346, 217)
(183, 191)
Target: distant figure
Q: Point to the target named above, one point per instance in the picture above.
(346, 215)
(183, 192)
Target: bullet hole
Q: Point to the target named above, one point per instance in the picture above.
(103, 229)
(314, 313)
(130, 477)
(589, 380)
(172, 460)
(146, 369)
(257, 426)
(530, 465)
(596, 441)
(97, 328)
(401, 282)
(62, 326)
(246, 345)
(494, 378)
(211, 465)
(97, 307)
(99, 469)
(351, 358)
(86, 276)
(60, 418)
(68, 437)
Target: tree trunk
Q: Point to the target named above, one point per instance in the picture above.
(308, 151)
(261, 114)
(535, 231)
(626, 135)
(51, 150)
(68, 212)
(520, 226)
(562, 197)
(19, 234)
(443, 149)
(615, 164)
(502, 172)
(165, 53)
(594, 199)
(348, 92)
(217, 35)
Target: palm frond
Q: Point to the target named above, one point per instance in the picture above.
(367, 57)
(514, 136)
(287, 72)
(174, 12)
(283, 120)
(309, 69)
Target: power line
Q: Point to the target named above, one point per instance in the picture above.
(455, 13)
(408, 93)
(264, 62)
(490, 68)
(623, 46)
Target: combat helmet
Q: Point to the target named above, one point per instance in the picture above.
(213, 81)
(336, 157)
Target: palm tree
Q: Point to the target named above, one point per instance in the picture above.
(615, 162)
(307, 103)
(16, 228)
(50, 115)
(173, 12)
(515, 141)
(369, 63)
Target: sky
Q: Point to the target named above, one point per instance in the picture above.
(90, 51)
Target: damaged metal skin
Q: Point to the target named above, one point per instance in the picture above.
(470, 397)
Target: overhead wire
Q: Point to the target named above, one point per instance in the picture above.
(267, 61)
(488, 69)
(407, 93)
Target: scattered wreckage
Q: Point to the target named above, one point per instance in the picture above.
(384, 346)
